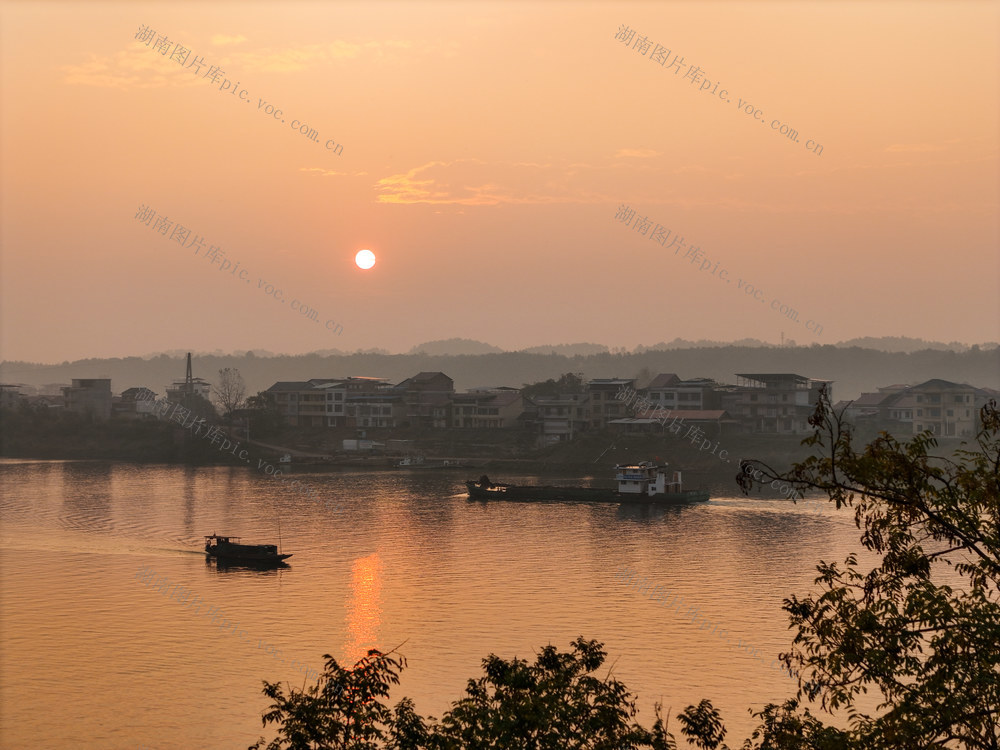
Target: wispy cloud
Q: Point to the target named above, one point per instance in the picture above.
(138, 66)
(473, 182)
(135, 67)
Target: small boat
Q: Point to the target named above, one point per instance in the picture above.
(637, 483)
(228, 549)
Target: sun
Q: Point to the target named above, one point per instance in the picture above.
(365, 259)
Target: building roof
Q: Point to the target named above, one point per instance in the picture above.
(943, 385)
(290, 385)
(894, 387)
(425, 377)
(771, 377)
(133, 394)
(422, 378)
(871, 399)
(663, 380)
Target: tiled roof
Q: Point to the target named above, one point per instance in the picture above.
(290, 385)
(663, 380)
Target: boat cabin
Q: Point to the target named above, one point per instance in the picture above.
(214, 540)
(646, 478)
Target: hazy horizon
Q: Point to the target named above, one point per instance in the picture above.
(567, 347)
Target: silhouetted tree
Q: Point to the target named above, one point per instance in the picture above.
(230, 392)
(920, 626)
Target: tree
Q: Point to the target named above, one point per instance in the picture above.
(921, 626)
(544, 705)
(343, 709)
(265, 418)
(231, 391)
(555, 703)
(567, 383)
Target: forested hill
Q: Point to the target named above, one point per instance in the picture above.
(853, 369)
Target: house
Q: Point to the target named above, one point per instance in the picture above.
(558, 418)
(776, 403)
(324, 402)
(382, 409)
(89, 396)
(945, 408)
(177, 390)
(427, 399)
(10, 396)
(603, 402)
(489, 408)
(668, 391)
(134, 403)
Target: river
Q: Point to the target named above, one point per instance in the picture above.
(107, 637)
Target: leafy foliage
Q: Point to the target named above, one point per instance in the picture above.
(921, 627)
(567, 383)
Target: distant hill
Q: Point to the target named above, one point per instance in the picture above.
(699, 344)
(907, 344)
(567, 350)
(454, 346)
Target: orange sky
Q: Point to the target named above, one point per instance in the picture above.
(486, 150)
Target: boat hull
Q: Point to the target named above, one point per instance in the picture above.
(577, 494)
(249, 558)
(224, 550)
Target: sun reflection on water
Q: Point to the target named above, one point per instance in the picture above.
(364, 608)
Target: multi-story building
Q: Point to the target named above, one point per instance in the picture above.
(10, 396)
(89, 396)
(427, 398)
(177, 390)
(668, 391)
(490, 408)
(778, 403)
(302, 403)
(318, 402)
(337, 402)
(134, 403)
(559, 418)
(946, 409)
(604, 405)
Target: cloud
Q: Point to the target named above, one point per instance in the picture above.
(135, 67)
(309, 55)
(473, 182)
(139, 66)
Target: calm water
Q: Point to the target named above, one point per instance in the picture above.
(93, 657)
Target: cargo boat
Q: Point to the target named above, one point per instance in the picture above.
(643, 482)
(227, 549)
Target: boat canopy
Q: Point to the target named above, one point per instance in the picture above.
(223, 539)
